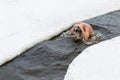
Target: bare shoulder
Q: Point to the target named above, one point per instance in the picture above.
(86, 24)
(83, 23)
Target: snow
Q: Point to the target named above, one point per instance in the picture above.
(24, 23)
(98, 62)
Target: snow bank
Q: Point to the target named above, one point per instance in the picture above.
(98, 62)
(23, 23)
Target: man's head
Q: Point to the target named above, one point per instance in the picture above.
(75, 30)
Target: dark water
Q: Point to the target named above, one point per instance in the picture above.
(49, 60)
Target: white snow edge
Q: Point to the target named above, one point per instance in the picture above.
(97, 62)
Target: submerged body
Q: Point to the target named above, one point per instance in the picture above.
(83, 32)
(83, 29)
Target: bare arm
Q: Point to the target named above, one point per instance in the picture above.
(85, 32)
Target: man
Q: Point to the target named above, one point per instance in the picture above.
(82, 28)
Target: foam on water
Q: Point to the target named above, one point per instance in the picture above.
(92, 40)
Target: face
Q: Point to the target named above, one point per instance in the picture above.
(75, 29)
